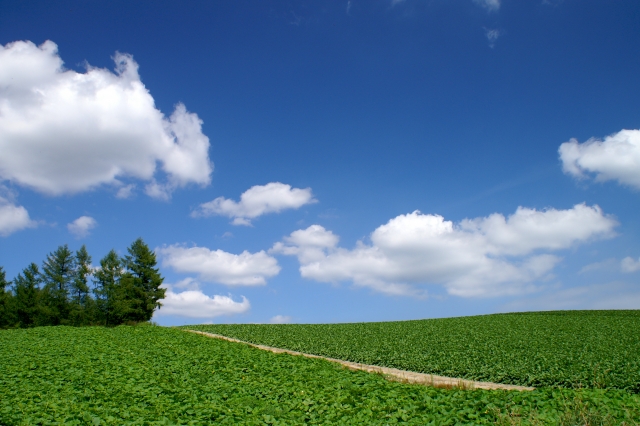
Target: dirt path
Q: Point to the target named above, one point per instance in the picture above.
(391, 373)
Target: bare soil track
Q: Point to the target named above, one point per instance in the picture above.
(390, 373)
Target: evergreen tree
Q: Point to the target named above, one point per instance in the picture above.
(27, 297)
(6, 305)
(81, 305)
(58, 272)
(141, 283)
(106, 282)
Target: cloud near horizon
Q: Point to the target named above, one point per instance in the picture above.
(617, 157)
(196, 304)
(64, 132)
(482, 257)
(217, 266)
(256, 201)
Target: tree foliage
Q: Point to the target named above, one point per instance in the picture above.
(125, 289)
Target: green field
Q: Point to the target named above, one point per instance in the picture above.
(570, 349)
(148, 375)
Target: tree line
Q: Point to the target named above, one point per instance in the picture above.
(124, 289)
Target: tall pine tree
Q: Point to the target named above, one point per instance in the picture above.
(81, 302)
(141, 283)
(27, 297)
(58, 271)
(6, 305)
(106, 288)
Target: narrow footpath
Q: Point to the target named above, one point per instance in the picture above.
(390, 373)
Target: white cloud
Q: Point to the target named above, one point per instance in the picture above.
(487, 256)
(492, 35)
(280, 319)
(219, 266)
(82, 226)
(125, 191)
(65, 132)
(490, 5)
(256, 201)
(613, 295)
(13, 218)
(629, 264)
(196, 304)
(617, 157)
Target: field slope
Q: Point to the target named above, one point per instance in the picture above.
(161, 376)
(563, 349)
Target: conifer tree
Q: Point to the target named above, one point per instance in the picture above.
(81, 305)
(58, 272)
(27, 297)
(106, 282)
(141, 283)
(6, 311)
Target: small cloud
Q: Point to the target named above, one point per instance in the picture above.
(617, 157)
(610, 264)
(186, 284)
(490, 5)
(227, 235)
(348, 6)
(158, 191)
(280, 319)
(13, 218)
(396, 2)
(256, 201)
(126, 191)
(492, 35)
(82, 226)
(629, 264)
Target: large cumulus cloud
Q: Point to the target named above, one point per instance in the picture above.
(64, 132)
(487, 256)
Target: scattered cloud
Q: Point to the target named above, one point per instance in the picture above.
(629, 264)
(82, 226)
(487, 256)
(396, 2)
(617, 157)
(13, 218)
(348, 6)
(490, 5)
(196, 304)
(492, 35)
(608, 264)
(280, 319)
(64, 132)
(613, 295)
(125, 191)
(217, 266)
(256, 201)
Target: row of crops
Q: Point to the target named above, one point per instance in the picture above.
(155, 375)
(566, 349)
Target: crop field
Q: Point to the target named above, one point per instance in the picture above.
(565, 349)
(155, 375)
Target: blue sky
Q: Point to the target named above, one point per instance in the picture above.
(330, 161)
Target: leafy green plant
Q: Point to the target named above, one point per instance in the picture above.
(157, 375)
(565, 349)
